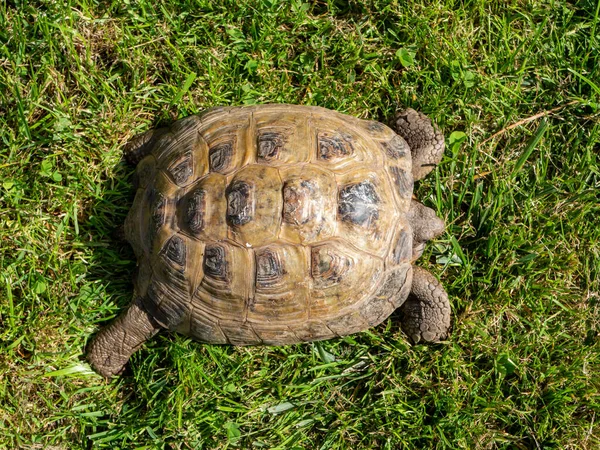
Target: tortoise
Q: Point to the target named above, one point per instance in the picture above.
(278, 224)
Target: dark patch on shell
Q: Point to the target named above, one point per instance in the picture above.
(396, 147)
(220, 156)
(157, 202)
(357, 203)
(181, 169)
(195, 211)
(215, 262)
(174, 251)
(270, 144)
(328, 265)
(157, 209)
(335, 146)
(403, 181)
(240, 203)
(269, 268)
(295, 201)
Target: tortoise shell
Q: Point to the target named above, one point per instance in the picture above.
(273, 224)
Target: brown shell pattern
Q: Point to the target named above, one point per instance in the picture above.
(273, 224)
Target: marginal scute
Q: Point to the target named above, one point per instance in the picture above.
(376, 310)
(396, 147)
(390, 295)
(347, 323)
(314, 327)
(168, 301)
(403, 181)
(393, 282)
(205, 328)
(403, 247)
(145, 171)
(239, 333)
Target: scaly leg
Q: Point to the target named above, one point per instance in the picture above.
(111, 348)
(426, 312)
(425, 140)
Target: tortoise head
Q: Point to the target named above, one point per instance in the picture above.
(426, 225)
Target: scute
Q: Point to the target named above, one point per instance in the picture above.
(367, 210)
(334, 145)
(220, 155)
(338, 273)
(254, 205)
(202, 210)
(241, 203)
(281, 136)
(196, 210)
(215, 264)
(280, 286)
(174, 252)
(309, 204)
(359, 204)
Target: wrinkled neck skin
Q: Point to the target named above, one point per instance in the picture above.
(425, 225)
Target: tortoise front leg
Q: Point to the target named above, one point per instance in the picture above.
(425, 140)
(426, 312)
(111, 348)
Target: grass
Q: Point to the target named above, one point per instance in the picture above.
(515, 87)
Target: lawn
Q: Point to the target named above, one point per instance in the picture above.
(514, 85)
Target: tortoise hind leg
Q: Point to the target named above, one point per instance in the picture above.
(426, 312)
(113, 345)
(425, 140)
(141, 145)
